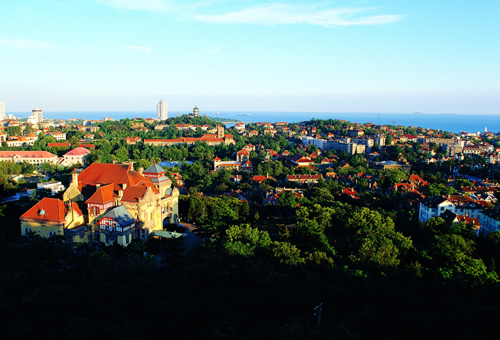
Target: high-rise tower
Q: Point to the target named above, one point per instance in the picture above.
(36, 116)
(2, 111)
(162, 110)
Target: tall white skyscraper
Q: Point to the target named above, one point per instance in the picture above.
(162, 110)
(2, 111)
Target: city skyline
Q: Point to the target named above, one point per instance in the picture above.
(342, 56)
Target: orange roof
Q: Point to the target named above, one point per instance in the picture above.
(50, 145)
(48, 210)
(134, 194)
(260, 178)
(103, 195)
(100, 173)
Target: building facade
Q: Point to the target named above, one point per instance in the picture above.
(32, 157)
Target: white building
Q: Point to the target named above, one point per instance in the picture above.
(2, 111)
(433, 207)
(32, 157)
(36, 116)
(162, 110)
(490, 221)
(460, 205)
(347, 147)
(75, 156)
(320, 143)
(54, 187)
(58, 135)
(21, 141)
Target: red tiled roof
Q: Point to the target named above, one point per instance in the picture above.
(469, 220)
(79, 151)
(303, 177)
(100, 173)
(48, 209)
(134, 194)
(103, 195)
(51, 145)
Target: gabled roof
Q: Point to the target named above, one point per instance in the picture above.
(103, 195)
(134, 194)
(121, 215)
(435, 201)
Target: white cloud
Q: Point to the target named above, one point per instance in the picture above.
(212, 50)
(138, 49)
(157, 6)
(280, 14)
(266, 14)
(24, 43)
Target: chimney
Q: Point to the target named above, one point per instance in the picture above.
(75, 178)
(141, 170)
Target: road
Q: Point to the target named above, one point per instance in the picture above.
(191, 241)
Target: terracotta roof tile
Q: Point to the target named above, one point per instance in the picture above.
(103, 195)
(48, 210)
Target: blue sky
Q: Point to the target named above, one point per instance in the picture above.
(326, 56)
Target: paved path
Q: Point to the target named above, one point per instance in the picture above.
(191, 241)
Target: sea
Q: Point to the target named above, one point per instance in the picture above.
(441, 121)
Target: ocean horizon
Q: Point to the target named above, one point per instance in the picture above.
(442, 121)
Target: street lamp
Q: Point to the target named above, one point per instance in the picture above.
(317, 312)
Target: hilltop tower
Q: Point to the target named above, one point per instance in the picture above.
(220, 132)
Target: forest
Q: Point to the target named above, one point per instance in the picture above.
(379, 274)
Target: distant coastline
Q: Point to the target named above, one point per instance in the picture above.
(438, 121)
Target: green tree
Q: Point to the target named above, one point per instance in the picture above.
(375, 239)
(243, 240)
(14, 131)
